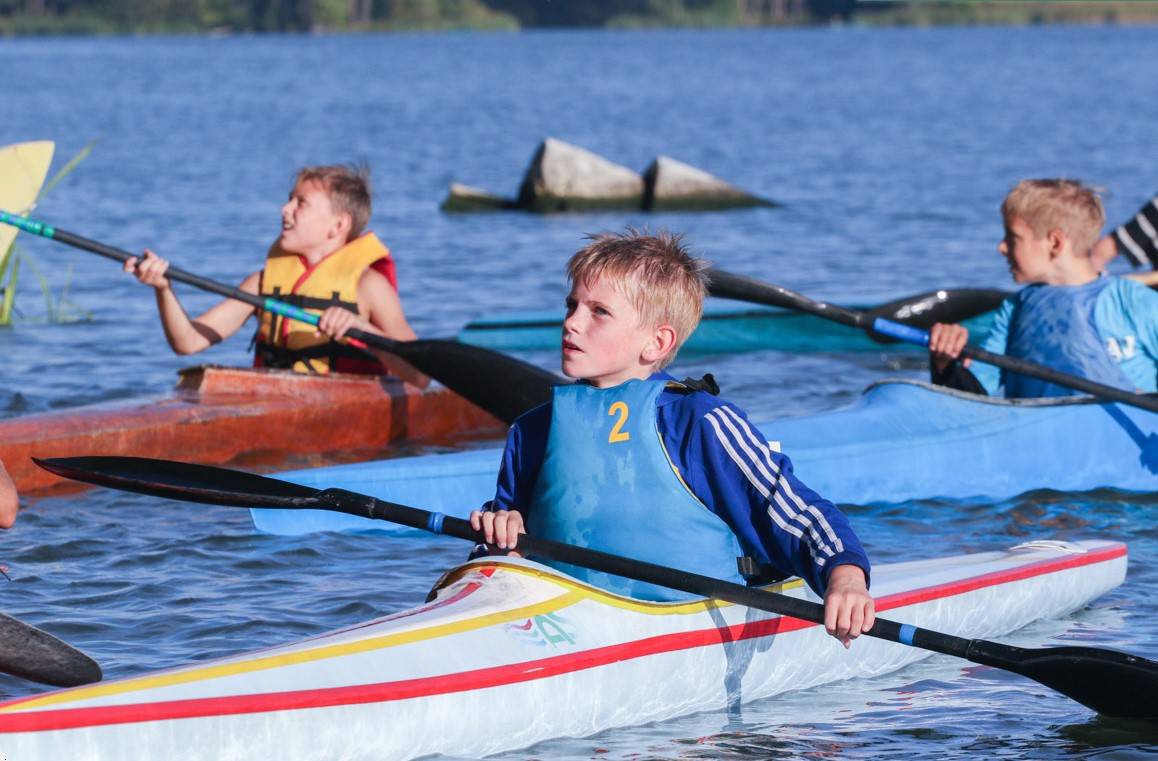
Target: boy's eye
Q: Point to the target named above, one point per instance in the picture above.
(601, 311)
(570, 304)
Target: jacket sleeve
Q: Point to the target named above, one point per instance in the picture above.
(1138, 238)
(522, 460)
(779, 520)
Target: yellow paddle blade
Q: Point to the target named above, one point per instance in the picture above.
(23, 167)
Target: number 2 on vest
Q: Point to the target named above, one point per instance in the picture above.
(617, 432)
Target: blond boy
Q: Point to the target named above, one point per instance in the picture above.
(632, 462)
(1068, 317)
(321, 261)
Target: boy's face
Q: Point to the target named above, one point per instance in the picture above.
(1029, 256)
(308, 221)
(603, 341)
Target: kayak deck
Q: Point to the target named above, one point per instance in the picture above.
(220, 414)
(723, 329)
(559, 657)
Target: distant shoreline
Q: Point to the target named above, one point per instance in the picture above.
(886, 14)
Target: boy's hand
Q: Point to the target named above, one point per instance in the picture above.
(500, 528)
(335, 322)
(849, 610)
(149, 269)
(946, 343)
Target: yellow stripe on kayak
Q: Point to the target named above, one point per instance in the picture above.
(604, 597)
(23, 167)
(288, 659)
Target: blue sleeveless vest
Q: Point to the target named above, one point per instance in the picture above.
(1054, 326)
(606, 483)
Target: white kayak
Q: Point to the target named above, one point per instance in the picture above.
(510, 653)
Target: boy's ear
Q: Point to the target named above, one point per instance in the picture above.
(1057, 242)
(663, 341)
(343, 225)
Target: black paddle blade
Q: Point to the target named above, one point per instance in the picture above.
(502, 385)
(1114, 684)
(36, 655)
(926, 309)
(182, 480)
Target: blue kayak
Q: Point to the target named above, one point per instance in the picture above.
(901, 440)
(727, 328)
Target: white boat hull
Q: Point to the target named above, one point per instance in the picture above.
(511, 653)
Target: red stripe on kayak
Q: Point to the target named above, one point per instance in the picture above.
(72, 718)
(914, 596)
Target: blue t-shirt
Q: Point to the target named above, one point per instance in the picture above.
(727, 464)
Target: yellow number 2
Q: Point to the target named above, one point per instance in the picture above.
(617, 432)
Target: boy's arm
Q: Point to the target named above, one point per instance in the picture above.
(502, 517)
(731, 469)
(1138, 238)
(946, 343)
(9, 499)
(185, 335)
(379, 312)
(778, 519)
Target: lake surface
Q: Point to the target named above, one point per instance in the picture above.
(890, 149)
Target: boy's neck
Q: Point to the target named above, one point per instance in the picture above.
(643, 374)
(316, 256)
(1073, 271)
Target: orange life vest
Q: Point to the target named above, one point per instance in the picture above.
(289, 344)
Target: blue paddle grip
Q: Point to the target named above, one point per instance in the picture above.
(434, 523)
(908, 631)
(27, 225)
(290, 311)
(901, 332)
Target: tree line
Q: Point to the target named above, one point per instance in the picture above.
(305, 15)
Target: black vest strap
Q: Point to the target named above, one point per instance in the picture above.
(757, 574)
(281, 358)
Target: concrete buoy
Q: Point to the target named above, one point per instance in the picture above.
(675, 186)
(564, 177)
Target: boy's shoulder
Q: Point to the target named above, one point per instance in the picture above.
(688, 402)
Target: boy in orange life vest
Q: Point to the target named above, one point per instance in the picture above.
(322, 262)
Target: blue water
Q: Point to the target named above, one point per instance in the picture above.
(890, 149)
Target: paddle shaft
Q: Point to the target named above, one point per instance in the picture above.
(360, 337)
(503, 386)
(740, 288)
(704, 586)
(1110, 682)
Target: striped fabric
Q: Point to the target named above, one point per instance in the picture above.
(751, 454)
(1138, 238)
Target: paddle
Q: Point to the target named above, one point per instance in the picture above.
(36, 655)
(741, 288)
(500, 384)
(923, 310)
(1112, 683)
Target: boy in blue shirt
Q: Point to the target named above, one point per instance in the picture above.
(1067, 318)
(630, 461)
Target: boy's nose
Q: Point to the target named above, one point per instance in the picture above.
(571, 323)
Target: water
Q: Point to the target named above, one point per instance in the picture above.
(891, 150)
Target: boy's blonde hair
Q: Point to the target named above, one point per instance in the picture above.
(664, 283)
(1058, 204)
(348, 188)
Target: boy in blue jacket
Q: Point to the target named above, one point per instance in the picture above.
(1067, 317)
(632, 462)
